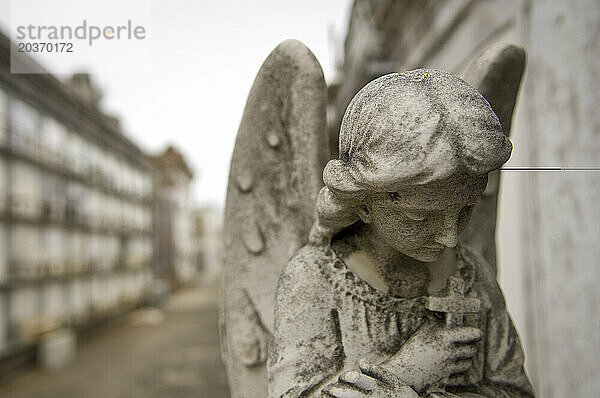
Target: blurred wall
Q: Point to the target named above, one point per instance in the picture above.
(75, 216)
(549, 222)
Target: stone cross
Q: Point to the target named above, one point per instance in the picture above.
(455, 304)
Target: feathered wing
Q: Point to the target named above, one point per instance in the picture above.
(274, 179)
(496, 74)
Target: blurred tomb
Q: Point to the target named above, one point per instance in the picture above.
(174, 256)
(207, 231)
(88, 222)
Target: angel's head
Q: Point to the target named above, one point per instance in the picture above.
(415, 150)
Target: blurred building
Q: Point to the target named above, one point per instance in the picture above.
(208, 225)
(549, 223)
(174, 256)
(75, 208)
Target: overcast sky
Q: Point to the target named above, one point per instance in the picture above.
(205, 55)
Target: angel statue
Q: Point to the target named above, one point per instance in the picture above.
(383, 291)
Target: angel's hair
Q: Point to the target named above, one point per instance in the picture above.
(406, 129)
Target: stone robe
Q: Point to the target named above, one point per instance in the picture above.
(327, 319)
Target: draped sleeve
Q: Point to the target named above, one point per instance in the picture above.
(307, 349)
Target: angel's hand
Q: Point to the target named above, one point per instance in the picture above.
(341, 390)
(433, 353)
(374, 382)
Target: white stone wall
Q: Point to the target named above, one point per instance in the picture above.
(562, 213)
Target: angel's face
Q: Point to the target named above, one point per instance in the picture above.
(421, 221)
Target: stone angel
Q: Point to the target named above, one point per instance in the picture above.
(384, 290)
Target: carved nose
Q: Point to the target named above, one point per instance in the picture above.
(448, 236)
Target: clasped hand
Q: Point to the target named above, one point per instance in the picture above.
(433, 353)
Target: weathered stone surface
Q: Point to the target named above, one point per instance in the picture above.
(275, 176)
(360, 309)
(549, 222)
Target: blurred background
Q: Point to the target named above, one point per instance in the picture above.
(112, 185)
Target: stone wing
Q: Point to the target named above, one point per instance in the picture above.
(496, 74)
(274, 179)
